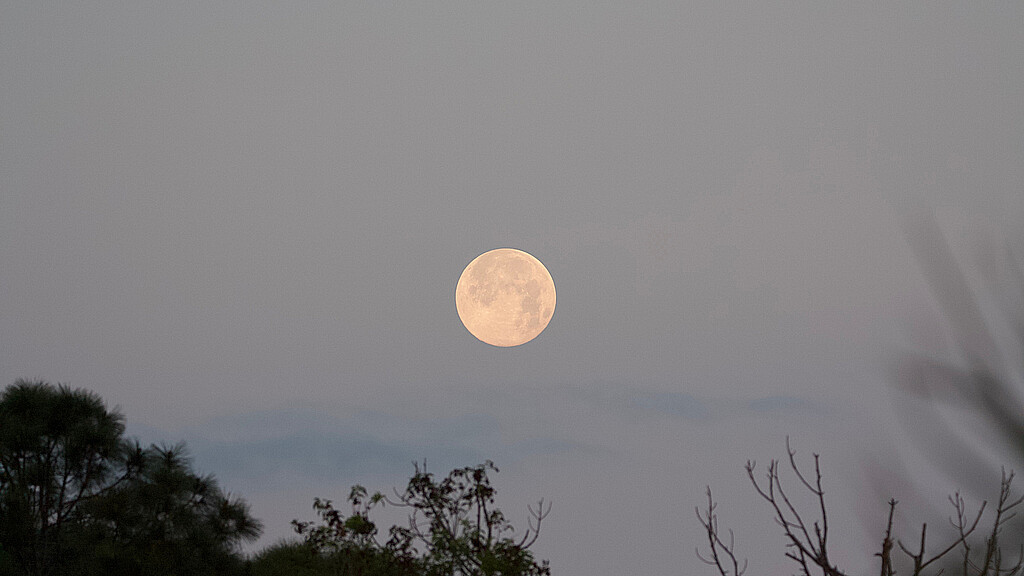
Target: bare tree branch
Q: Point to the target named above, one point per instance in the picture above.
(717, 547)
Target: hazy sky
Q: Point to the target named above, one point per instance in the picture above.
(243, 224)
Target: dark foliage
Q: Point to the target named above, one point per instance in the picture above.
(59, 449)
(292, 559)
(77, 498)
(454, 528)
(169, 520)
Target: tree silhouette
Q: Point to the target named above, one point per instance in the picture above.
(454, 528)
(77, 498)
(982, 383)
(169, 520)
(59, 448)
(807, 540)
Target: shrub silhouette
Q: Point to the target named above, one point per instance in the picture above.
(454, 528)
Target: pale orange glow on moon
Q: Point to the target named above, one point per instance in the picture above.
(505, 297)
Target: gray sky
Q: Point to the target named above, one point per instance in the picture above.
(243, 224)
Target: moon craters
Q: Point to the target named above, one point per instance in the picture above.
(505, 297)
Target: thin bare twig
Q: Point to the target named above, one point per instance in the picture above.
(806, 550)
(716, 546)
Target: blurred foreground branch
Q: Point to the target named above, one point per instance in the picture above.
(983, 382)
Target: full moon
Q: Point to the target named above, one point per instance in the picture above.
(505, 297)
